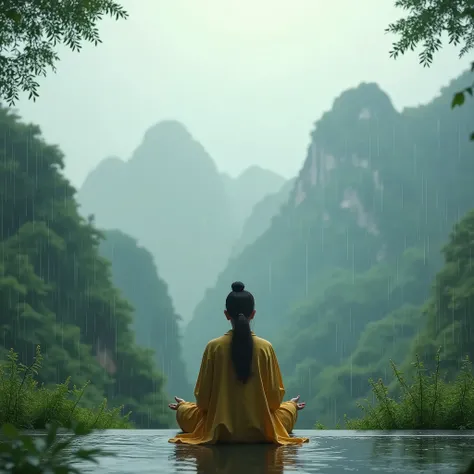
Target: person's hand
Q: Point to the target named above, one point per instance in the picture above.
(174, 406)
(299, 406)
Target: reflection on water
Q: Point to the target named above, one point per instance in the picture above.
(147, 452)
(256, 459)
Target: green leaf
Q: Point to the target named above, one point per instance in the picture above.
(10, 431)
(458, 99)
(62, 470)
(13, 15)
(81, 429)
(29, 444)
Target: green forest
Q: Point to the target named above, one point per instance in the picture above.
(155, 322)
(57, 291)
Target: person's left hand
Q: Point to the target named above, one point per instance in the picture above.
(174, 406)
(296, 401)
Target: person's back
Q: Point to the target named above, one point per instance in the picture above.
(239, 390)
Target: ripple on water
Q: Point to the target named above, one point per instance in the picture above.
(148, 452)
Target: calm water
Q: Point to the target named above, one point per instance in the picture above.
(148, 452)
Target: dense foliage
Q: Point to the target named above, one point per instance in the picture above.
(341, 276)
(55, 289)
(155, 322)
(26, 404)
(30, 30)
(449, 312)
(427, 402)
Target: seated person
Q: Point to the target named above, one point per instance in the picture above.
(239, 391)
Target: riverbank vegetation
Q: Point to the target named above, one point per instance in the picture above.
(26, 404)
(56, 290)
(428, 401)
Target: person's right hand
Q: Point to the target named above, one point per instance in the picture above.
(175, 406)
(299, 406)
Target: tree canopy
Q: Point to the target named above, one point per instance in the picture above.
(30, 30)
(55, 288)
(426, 23)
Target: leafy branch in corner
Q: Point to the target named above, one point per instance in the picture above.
(30, 31)
(30, 454)
(425, 24)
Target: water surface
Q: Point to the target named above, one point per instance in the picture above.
(148, 452)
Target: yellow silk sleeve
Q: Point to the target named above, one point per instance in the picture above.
(202, 390)
(274, 389)
(288, 414)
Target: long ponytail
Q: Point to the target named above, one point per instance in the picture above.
(240, 305)
(241, 348)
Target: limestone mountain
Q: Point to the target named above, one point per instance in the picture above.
(171, 197)
(353, 252)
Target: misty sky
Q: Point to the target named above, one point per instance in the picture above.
(247, 77)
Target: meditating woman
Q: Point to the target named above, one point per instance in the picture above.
(239, 391)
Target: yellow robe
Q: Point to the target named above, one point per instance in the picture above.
(227, 410)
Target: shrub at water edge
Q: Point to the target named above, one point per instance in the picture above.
(428, 402)
(25, 404)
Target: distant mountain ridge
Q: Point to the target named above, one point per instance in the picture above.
(249, 188)
(261, 216)
(171, 197)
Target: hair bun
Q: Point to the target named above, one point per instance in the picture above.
(238, 286)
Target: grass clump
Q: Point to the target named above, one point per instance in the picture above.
(27, 405)
(428, 402)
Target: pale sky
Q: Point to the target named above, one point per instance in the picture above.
(248, 78)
